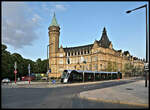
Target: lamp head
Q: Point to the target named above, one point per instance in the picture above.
(128, 11)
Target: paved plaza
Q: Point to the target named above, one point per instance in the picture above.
(133, 94)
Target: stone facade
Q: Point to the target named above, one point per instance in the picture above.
(93, 57)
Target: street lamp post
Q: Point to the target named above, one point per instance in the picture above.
(47, 62)
(144, 6)
(48, 59)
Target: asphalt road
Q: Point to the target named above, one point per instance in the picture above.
(61, 97)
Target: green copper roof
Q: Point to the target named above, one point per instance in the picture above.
(54, 21)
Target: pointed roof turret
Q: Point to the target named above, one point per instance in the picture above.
(61, 46)
(54, 21)
(104, 31)
(61, 49)
(96, 44)
(104, 41)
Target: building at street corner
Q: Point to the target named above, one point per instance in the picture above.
(94, 57)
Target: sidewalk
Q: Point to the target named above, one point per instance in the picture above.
(133, 94)
(25, 84)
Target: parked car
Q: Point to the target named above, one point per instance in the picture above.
(26, 78)
(44, 78)
(6, 80)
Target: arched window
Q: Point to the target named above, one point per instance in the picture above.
(100, 66)
(78, 52)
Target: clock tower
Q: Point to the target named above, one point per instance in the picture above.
(53, 41)
(54, 36)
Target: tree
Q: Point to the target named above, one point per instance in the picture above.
(7, 70)
(4, 47)
(138, 70)
(9, 59)
(19, 60)
(128, 69)
(40, 66)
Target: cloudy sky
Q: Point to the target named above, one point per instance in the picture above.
(25, 25)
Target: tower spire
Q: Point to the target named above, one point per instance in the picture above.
(104, 41)
(54, 21)
(104, 31)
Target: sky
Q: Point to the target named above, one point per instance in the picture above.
(25, 26)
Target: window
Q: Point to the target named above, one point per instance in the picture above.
(96, 58)
(101, 66)
(82, 59)
(61, 70)
(60, 55)
(78, 53)
(90, 67)
(61, 61)
(67, 60)
(70, 60)
(96, 67)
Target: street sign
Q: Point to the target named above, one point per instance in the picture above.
(15, 71)
(29, 67)
(15, 66)
(49, 70)
(146, 66)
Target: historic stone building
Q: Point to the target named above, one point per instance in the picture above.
(98, 56)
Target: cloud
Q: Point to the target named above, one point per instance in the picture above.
(19, 25)
(36, 18)
(54, 7)
(60, 7)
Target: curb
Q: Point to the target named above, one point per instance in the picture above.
(67, 85)
(109, 101)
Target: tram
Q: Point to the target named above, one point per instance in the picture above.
(71, 76)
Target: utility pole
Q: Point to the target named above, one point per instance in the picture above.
(29, 73)
(129, 11)
(15, 66)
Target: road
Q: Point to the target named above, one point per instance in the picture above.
(60, 97)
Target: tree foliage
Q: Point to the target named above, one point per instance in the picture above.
(8, 61)
(131, 70)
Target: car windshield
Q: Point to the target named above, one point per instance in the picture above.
(64, 74)
(6, 79)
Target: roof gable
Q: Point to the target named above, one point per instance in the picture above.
(104, 41)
